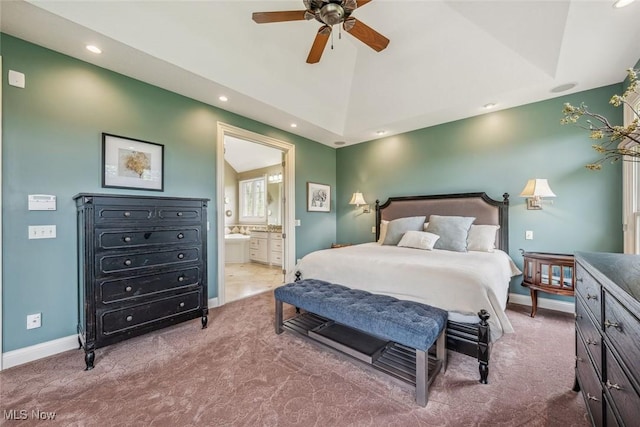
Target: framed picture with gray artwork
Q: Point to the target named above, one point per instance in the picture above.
(318, 197)
(132, 163)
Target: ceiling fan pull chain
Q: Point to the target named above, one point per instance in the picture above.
(332, 39)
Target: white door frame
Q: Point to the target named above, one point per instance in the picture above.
(1, 352)
(289, 212)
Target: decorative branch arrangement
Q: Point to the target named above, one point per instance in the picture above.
(615, 142)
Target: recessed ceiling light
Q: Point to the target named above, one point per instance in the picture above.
(93, 48)
(622, 3)
(381, 132)
(489, 106)
(223, 98)
(293, 125)
(564, 87)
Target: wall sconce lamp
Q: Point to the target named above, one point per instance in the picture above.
(534, 191)
(358, 200)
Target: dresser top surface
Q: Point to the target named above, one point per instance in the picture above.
(621, 269)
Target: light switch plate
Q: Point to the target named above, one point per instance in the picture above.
(528, 235)
(42, 232)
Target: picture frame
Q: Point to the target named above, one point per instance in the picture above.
(318, 197)
(132, 163)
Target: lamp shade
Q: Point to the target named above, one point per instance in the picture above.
(357, 199)
(537, 188)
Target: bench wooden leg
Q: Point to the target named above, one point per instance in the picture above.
(278, 318)
(441, 349)
(422, 378)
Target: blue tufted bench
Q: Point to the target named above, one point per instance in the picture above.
(408, 323)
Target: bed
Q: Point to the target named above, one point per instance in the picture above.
(471, 285)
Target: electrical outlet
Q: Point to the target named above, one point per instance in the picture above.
(528, 235)
(34, 320)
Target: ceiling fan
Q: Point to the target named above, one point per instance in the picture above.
(328, 13)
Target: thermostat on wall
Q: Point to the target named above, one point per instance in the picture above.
(42, 202)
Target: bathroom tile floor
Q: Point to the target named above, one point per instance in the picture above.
(244, 280)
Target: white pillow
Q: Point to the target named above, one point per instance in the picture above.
(383, 230)
(482, 238)
(418, 240)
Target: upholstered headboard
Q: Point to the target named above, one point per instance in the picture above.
(479, 205)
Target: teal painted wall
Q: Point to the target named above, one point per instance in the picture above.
(52, 145)
(497, 153)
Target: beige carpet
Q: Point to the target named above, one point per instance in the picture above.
(239, 373)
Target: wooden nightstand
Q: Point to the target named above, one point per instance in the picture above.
(546, 272)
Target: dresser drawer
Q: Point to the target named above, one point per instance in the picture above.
(623, 329)
(589, 290)
(180, 214)
(123, 214)
(138, 260)
(624, 397)
(590, 335)
(149, 285)
(116, 239)
(118, 321)
(589, 383)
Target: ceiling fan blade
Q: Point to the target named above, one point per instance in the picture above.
(365, 34)
(280, 16)
(318, 45)
(362, 2)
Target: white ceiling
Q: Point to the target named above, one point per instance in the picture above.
(446, 58)
(246, 156)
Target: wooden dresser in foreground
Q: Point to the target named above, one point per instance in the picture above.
(142, 265)
(608, 337)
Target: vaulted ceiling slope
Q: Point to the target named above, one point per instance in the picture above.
(446, 59)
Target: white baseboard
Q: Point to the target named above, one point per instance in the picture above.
(49, 348)
(551, 304)
(39, 351)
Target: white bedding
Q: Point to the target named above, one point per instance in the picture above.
(459, 282)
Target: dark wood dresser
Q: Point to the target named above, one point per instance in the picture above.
(142, 266)
(608, 337)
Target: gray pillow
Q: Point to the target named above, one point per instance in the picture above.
(397, 228)
(453, 231)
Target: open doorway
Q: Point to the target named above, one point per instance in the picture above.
(256, 209)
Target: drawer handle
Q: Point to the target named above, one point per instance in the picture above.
(594, 342)
(180, 236)
(129, 318)
(592, 397)
(589, 296)
(179, 214)
(181, 304)
(180, 278)
(180, 256)
(128, 289)
(579, 279)
(609, 324)
(579, 359)
(127, 214)
(127, 239)
(610, 386)
(127, 262)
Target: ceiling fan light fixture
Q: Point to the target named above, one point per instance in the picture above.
(332, 14)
